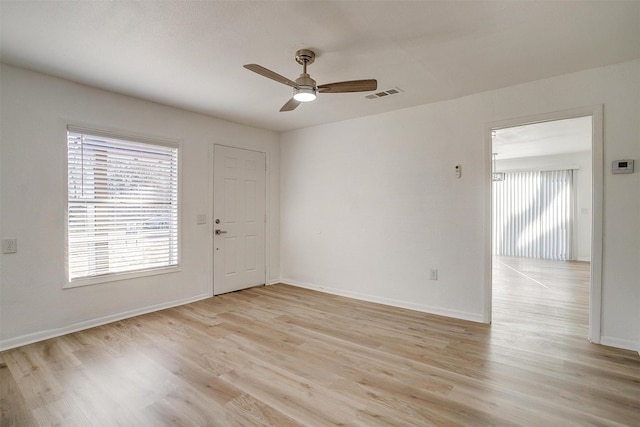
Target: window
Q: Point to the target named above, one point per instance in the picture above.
(122, 205)
(533, 214)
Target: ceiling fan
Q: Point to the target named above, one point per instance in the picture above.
(305, 88)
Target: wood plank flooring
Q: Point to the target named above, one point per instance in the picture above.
(285, 356)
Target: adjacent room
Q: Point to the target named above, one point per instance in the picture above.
(284, 213)
(542, 185)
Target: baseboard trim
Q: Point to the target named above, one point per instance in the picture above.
(620, 343)
(79, 326)
(456, 314)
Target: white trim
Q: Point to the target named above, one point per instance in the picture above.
(619, 343)
(597, 220)
(210, 224)
(488, 232)
(79, 326)
(116, 277)
(267, 219)
(597, 155)
(456, 314)
(561, 166)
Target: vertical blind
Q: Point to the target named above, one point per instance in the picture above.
(122, 205)
(533, 214)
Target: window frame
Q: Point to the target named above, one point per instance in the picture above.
(119, 276)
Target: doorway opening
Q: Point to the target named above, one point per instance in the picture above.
(546, 220)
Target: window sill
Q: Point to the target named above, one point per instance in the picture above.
(117, 277)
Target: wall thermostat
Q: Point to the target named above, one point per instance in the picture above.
(622, 166)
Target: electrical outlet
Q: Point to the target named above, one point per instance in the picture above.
(9, 246)
(434, 274)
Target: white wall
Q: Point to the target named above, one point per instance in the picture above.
(581, 162)
(370, 205)
(35, 109)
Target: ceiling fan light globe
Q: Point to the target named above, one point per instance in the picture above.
(304, 94)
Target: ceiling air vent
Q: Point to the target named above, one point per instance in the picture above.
(387, 92)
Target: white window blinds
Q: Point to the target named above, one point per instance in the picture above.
(122, 205)
(533, 214)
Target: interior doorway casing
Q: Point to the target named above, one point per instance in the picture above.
(597, 158)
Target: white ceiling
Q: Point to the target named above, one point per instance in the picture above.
(543, 139)
(190, 54)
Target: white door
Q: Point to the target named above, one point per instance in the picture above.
(239, 217)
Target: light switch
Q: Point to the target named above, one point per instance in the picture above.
(201, 219)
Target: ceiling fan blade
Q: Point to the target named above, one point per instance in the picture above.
(349, 86)
(291, 104)
(270, 74)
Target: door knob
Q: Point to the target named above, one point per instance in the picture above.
(220, 232)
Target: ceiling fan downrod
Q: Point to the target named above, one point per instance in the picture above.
(306, 90)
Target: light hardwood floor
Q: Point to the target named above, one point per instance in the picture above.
(285, 356)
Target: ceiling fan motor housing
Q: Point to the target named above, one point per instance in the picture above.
(305, 80)
(306, 90)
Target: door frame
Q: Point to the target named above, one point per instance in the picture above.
(211, 225)
(597, 189)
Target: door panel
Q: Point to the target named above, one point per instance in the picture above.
(239, 208)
